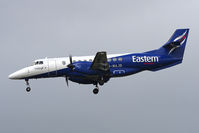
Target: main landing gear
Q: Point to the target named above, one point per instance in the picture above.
(100, 82)
(28, 89)
(96, 90)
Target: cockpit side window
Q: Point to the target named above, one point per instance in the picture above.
(39, 62)
(36, 62)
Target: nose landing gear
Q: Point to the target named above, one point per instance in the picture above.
(28, 89)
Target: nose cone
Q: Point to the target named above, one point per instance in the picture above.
(21, 74)
(11, 76)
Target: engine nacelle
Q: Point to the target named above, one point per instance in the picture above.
(84, 67)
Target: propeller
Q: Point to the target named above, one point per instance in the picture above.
(66, 80)
(71, 66)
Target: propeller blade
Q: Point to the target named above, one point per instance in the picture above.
(70, 57)
(71, 66)
(66, 80)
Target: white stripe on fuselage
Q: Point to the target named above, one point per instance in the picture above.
(48, 66)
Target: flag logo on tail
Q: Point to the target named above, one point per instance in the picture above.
(181, 39)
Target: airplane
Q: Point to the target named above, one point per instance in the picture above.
(99, 69)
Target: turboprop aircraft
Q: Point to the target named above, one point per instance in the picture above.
(99, 69)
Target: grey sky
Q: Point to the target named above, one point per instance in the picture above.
(162, 102)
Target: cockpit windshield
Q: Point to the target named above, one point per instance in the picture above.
(38, 62)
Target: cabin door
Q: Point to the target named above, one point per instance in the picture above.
(52, 68)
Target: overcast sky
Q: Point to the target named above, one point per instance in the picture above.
(149, 102)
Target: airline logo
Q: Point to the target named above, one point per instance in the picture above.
(145, 59)
(181, 38)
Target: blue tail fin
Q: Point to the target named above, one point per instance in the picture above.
(176, 45)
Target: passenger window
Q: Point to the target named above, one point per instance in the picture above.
(109, 60)
(120, 59)
(114, 59)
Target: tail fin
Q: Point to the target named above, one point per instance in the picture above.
(176, 45)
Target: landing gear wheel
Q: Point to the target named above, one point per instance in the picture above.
(95, 91)
(28, 89)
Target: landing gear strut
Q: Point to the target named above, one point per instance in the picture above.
(28, 89)
(96, 90)
(101, 81)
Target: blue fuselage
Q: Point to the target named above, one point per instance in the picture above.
(119, 66)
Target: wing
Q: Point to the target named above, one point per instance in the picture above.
(100, 62)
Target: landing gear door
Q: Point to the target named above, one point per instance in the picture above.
(52, 68)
